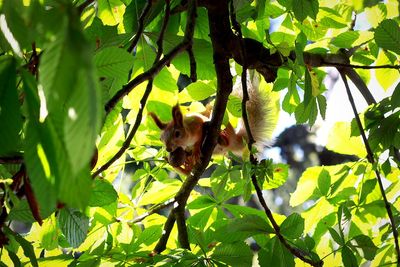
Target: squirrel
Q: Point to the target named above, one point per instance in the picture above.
(183, 135)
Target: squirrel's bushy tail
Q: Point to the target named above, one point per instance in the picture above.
(260, 112)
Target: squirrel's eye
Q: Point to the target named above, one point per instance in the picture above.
(177, 134)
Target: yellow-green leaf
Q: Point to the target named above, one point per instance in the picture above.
(340, 141)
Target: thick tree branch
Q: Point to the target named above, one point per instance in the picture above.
(218, 23)
(371, 159)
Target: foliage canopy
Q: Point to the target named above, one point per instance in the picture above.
(79, 78)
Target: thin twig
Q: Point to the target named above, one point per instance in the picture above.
(152, 211)
(365, 67)
(128, 140)
(151, 73)
(139, 32)
(371, 159)
(143, 101)
(360, 84)
(296, 252)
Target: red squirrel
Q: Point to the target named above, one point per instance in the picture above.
(183, 135)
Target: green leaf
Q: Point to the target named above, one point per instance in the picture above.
(395, 100)
(307, 87)
(72, 95)
(25, 244)
(148, 236)
(202, 53)
(49, 233)
(111, 11)
(345, 39)
(293, 226)
(300, 44)
(10, 115)
(387, 35)
(241, 228)
(103, 193)
(202, 202)
(281, 257)
(366, 245)
(348, 258)
(308, 113)
(237, 254)
(74, 225)
(367, 188)
(324, 182)
(322, 105)
(386, 77)
(338, 239)
(196, 91)
(40, 152)
(279, 176)
(304, 8)
(203, 218)
(22, 212)
(339, 140)
(167, 187)
(113, 62)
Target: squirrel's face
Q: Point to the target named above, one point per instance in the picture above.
(173, 137)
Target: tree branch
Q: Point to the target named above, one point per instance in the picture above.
(371, 159)
(152, 211)
(139, 32)
(366, 67)
(11, 160)
(218, 22)
(143, 101)
(296, 252)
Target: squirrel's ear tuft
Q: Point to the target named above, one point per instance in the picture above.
(158, 122)
(177, 116)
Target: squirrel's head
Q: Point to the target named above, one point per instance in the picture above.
(173, 133)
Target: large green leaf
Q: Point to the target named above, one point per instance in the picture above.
(293, 226)
(340, 141)
(103, 193)
(365, 244)
(111, 12)
(74, 225)
(10, 115)
(113, 62)
(202, 53)
(304, 8)
(275, 252)
(237, 254)
(238, 229)
(345, 39)
(40, 151)
(348, 257)
(71, 91)
(387, 35)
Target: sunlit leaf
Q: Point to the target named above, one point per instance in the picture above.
(387, 35)
(340, 141)
(74, 225)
